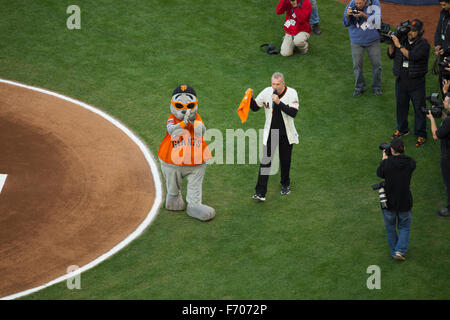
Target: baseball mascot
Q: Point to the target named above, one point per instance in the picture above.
(183, 153)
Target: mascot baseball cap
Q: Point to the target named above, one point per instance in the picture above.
(184, 88)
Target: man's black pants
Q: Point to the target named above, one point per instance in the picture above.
(285, 152)
(445, 170)
(417, 97)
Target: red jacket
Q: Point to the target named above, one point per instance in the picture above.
(297, 19)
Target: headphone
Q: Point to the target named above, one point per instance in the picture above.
(421, 32)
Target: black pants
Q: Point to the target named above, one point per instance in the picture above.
(285, 152)
(445, 169)
(417, 97)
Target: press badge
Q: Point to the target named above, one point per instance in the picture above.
(405, 64)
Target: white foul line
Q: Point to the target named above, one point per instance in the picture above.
(150, 216)
(2, 181)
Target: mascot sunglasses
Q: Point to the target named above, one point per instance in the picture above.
(180, 106)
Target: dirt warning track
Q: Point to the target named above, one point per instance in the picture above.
(76, 188)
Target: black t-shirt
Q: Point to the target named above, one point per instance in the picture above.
(404, 77)
(443, 133)
(397, 172)
(277, 118)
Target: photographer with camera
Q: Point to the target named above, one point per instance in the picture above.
(443, 133)
(296, 25)
(397, 170)
(442, 42)
(359, 18)
(410, 56)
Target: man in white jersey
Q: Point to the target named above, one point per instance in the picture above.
(281, 106)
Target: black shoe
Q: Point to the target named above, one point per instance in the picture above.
(316, 29)
(358, 92)
(285, 190)
(259, 197)
(444, 213)
(398, 134)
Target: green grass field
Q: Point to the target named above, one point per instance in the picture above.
(316, 243)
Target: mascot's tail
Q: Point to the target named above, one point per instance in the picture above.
(244, 107)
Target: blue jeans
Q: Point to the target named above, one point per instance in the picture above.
(401, 221)
(314, 13)
(374, 54)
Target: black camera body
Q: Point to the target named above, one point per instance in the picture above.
(381, 194)
(445, 63)
(436, 106)
(401, 32)
(386, 147)
(355, 10)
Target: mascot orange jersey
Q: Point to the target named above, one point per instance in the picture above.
(185, 148)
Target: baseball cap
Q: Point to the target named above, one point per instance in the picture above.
(416, 25)
(184, 88)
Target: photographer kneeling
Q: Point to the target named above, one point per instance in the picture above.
(443, 134)
(397, 170)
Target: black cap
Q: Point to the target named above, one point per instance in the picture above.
(416, 25)
(184, 88)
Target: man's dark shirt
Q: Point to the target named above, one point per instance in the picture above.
(418, 55)
(397, 172)
(443, 28)
(443, 133)
(277, 118)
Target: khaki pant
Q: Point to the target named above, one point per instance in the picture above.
(300, 40)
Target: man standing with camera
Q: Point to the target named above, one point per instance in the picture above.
(296, 26)
(442, 37)
(397, 171)
(443, 134)
(410, 67)
(362, 18)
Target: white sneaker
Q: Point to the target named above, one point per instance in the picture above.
(259, 197)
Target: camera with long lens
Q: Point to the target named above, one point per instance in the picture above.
(381, 194)
(386, 147)
(401, 32)
(436, 106)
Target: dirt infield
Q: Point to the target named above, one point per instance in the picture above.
(76, 187)
(396, 13)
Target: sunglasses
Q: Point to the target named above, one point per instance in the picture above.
(179, 105)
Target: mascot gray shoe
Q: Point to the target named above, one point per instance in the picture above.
(183, 154)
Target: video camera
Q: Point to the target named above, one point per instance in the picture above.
(436, 106)
(381, 193)
(401, 32)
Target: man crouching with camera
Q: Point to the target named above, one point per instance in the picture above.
(397, 170)
(443, 133)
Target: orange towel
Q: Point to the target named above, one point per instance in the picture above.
(244, 107)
